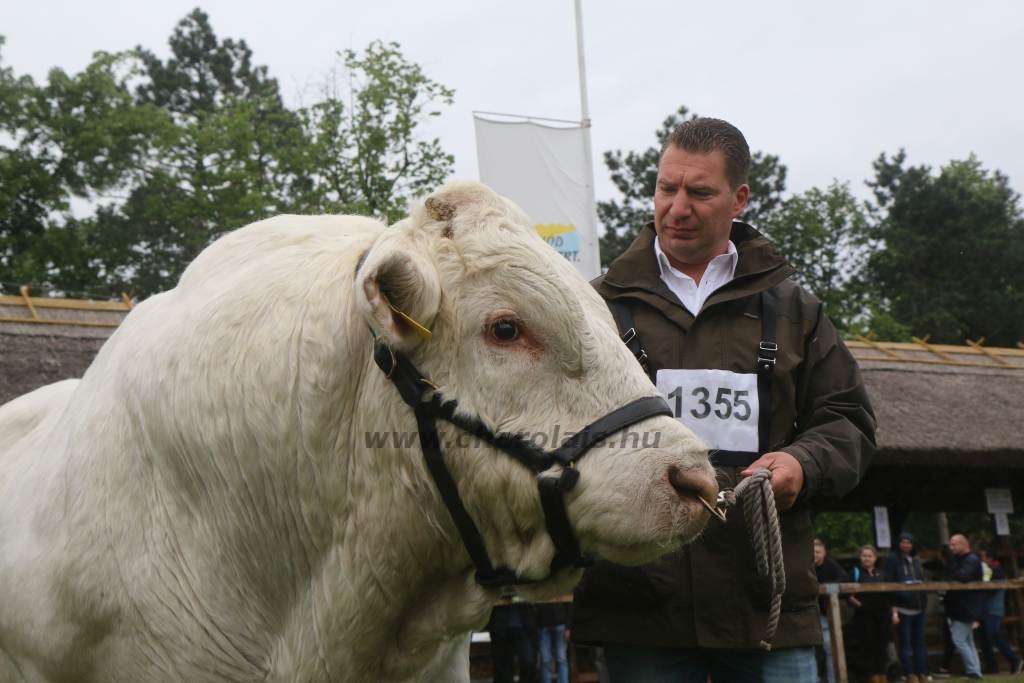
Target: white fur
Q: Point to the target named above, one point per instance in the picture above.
(202, 505)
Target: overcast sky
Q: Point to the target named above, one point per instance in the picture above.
(826, 86)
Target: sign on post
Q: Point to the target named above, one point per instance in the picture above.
(999, 501)
(882, 534)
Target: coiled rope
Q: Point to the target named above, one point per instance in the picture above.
(765, 536)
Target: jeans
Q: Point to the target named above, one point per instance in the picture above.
(512, 638)
(830, 671)
(645, 664)
(992, 636)
(913, 654)
(552, 639)
(963, 640)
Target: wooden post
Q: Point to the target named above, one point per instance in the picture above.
(943, 523)
(1014, 601)
(835, 629)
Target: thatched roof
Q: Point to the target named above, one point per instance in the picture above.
(950, 424)
(44, 340)
(946, 404)
(950, 418)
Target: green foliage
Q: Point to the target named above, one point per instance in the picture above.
(825, 235)
(954, 248)
(169, 154)
(368, 159)
(203, 74)
(844, 532)
(73, 137)
(636, 173)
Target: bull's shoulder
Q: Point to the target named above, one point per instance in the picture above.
(22, 415)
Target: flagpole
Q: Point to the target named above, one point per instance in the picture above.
(585, 124)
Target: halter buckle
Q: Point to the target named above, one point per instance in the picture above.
(569, 478)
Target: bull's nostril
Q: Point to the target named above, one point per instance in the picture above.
(693, 482)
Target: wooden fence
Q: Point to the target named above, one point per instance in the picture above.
(834, 590)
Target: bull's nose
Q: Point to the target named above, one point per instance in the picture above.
(693, 482)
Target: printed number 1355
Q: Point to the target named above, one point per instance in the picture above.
(727, 404)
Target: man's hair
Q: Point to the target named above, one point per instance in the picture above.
(820, 542)
(704, 135)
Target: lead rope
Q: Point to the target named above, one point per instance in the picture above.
(765, 536)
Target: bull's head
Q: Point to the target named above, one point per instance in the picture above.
(525, 345)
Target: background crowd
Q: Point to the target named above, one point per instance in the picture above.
(885, 635)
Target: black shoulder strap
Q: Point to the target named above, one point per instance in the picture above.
(767, 350)
(623, 315)
(766, 357)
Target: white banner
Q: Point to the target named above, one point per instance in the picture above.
(544, 170)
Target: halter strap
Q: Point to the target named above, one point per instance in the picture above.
(412, 386)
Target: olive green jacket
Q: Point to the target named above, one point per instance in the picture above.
(708, 593)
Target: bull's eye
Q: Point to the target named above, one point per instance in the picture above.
(505, 330)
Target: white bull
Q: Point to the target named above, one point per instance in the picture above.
(206, 504)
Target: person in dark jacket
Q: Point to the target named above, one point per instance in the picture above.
(991, 630)
(513, 630)
(826, 570)
(750, 363)
(872, 617)
(964, 609)
(904, 566)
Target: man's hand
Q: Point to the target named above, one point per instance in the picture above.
(787, 476)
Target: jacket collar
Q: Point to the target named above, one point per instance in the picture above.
(635, 274)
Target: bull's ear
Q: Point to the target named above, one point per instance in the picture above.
(398, 292)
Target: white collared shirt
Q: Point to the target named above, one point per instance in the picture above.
(719, 272)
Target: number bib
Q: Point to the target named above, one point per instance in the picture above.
(719, 406)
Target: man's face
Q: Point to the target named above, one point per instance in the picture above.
(958, 545)
(694, 206)
(906, 545)
(819, 554)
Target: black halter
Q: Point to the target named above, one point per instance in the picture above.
(412, 386)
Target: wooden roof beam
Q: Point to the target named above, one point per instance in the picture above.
(994, 356)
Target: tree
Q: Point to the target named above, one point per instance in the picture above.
(232, 153)
(167, 154)
(212, 165)
(367, 158)
(825, 235)
(27, 194)
(843, 532)
(953, 250)
(636, 173)
(73, 137)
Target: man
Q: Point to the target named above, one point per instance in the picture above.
(991, 630)
(513, 630)
(827, 571)
(904, 566)
(712, 304)
(964, 609)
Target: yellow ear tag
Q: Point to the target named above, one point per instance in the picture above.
(420, 329)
